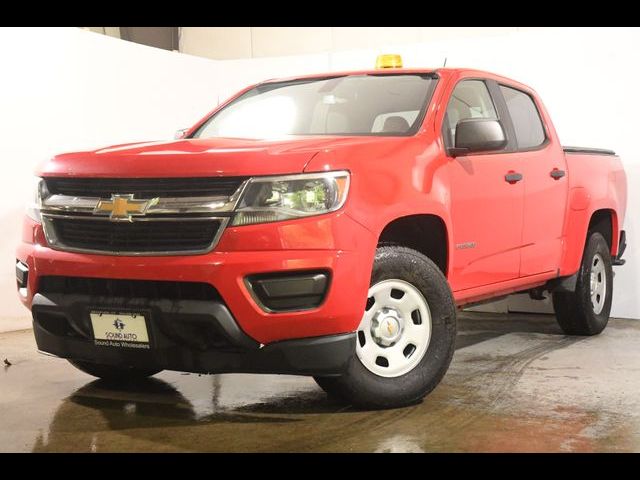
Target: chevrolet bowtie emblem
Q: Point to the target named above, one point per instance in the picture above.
(123, 207)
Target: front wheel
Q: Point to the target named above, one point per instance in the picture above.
(406, 337)
(586, 310)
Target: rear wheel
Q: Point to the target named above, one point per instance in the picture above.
(406, 337)
(112, 373)
(586, 310)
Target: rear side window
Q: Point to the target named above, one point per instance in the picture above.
(525, 117)
(470, 99)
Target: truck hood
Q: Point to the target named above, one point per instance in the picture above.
(199, 157)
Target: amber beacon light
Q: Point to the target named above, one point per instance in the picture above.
(389, 61)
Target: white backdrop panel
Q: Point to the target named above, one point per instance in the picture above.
(64, 89)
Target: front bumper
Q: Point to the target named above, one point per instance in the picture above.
(207, 340)
(334, 243)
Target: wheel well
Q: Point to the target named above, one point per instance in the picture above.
(602, 222)
(425, 233)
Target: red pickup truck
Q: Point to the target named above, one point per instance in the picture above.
(327, 225)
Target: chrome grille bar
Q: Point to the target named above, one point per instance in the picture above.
(56, 209)
(66, 204)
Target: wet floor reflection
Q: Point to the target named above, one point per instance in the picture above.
(101, 416)
(156, 416)
(512, 387)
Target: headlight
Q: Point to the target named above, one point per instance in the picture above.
(39, 193)
(271, 199)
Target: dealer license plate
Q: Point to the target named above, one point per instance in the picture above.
(122, 330)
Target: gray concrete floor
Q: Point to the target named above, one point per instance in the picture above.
(515, 384)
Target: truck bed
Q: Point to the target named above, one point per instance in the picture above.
(588, 151)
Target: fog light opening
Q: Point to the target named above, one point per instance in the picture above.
(289, 291)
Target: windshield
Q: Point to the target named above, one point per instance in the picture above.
(348, 105)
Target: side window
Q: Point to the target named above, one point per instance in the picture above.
(470, 99)
(525, 118)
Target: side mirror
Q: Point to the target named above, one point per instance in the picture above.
(180, 133)
(478, 135)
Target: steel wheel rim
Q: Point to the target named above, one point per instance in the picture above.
(378, 341)
(598, 283)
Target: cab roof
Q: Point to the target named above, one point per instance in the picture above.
(440, 72)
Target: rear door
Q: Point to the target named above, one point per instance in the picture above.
(543, 167)
(486, 207)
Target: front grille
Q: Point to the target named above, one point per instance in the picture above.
(144, 187)
(139, 237)
(148, 289)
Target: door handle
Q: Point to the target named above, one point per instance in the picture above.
(513, 177)
(557, 174)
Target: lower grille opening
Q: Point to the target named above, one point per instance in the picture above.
(56, 324)
(195, 334)
(149, 289)
(134, 237)
(193, 330)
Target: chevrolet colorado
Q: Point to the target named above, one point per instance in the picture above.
(327, 225)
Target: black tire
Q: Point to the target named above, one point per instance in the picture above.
(328, 384)
(111, 372)
(575, 310)
(363, 388)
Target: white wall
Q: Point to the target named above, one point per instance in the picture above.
(65, 89)
(255, 42)
(68, 89)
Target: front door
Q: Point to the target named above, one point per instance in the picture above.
(487, 195)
